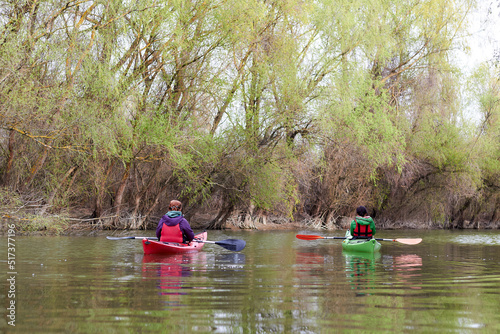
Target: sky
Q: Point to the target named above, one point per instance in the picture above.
(484, 42)
(485, 33)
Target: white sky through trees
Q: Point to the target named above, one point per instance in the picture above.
(485, 30)
(483, 44)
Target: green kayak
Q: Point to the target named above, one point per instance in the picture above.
(360, 245)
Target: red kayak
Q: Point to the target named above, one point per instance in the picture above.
(161, 247)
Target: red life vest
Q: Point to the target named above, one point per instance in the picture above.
(362, 230)
(171, 233)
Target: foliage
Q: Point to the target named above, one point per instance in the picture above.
(286, 107)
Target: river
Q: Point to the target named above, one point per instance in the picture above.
(449, 283)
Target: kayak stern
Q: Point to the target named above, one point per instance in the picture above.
(361, 245)
(160, 247)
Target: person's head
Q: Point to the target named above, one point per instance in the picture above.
(361, 211)
(175, 205)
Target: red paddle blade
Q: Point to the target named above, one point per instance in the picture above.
(409, 241)
(308, 237)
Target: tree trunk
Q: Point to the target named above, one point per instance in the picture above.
(56, 189)
(221, 218)
(139, 197)
(70, 184)
(120, 192)
(100, 192)
(155, 202)
(10, 159)
(38, 165)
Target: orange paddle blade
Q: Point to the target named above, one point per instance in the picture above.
(409, 241)
(308, 237)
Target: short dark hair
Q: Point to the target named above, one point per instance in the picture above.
(361, 211)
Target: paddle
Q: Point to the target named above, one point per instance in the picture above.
(234, 245)
(123, 238)
(402, 241)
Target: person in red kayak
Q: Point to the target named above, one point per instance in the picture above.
(363, 225)
(173, 227)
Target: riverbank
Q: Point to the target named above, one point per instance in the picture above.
(31, 224)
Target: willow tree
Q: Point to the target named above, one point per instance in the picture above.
(396, 49)
(254, 105)
(139, 88)
(112, 83)
(279, 80)
(483, 149)
(37, 90)
(438, 167)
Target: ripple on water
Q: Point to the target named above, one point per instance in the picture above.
(477, 239)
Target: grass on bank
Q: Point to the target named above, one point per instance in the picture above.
(14, 210)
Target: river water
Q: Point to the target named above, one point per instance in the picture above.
(450, 283)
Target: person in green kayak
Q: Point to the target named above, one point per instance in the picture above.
(363, 226)
(173, 227)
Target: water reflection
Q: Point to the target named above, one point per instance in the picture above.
(309, 268)
(478, 239)
(231, 260)
(277, 285)
(171, 270)
(408, 267)
(360, 270)
(305, 258)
